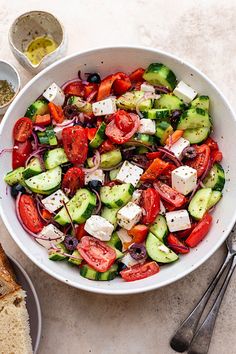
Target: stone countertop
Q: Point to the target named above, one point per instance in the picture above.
(75, 321)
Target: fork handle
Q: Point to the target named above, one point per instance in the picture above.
(181, 340)
(202, 339)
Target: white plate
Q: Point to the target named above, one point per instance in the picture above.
(107, 61)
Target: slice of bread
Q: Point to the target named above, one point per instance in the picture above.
(14, 319)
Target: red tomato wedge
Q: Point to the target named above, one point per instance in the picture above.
(73, 180)
(153, 155)
(124, 121)
(169, 194)
(122, 85)
(150, 201)
(138, 233)
(200, 231)
(200, 162)
(22, 129)
(176, 245)
(75, 88)
(137, 75)
(80, 232)
(118, 136)
(96, 253)
(140, 271)
(43, 121)
(75, 143)
(156, 168)
(56, 112)
(91, 132)
(21, 152)
(29, 213)
(106, 146)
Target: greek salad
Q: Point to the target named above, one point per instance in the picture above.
(117, 176)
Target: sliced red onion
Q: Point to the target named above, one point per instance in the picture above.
(137, 251)
(53, 246)
(35, 153)
(70, 82)
(6, 150)
(96, 161)
(138, 143)
(65, 124)
(98, 208)
(91, 96)
(38, 128)
(68, 213)
(35, 140)
(162, 89)
(145, 97)
(170, 155)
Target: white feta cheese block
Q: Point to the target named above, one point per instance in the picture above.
(178, 147)
(129, 261)
(129, 173)
(58, 130)
(97, 175)
(147, 126)
(129, 215)
(185, 92)
(49, 235)
(136, 196)
(147, 87)
(162, 208)
(54, 94)
(55, 201)
(99, 227)
(107, 106)
(178, 220)
(184, 179)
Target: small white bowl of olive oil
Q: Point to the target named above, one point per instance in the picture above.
(37, 39)
(9, 85)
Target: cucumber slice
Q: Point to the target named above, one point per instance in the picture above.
(199, 204)
(87, 272)
(130, 99)
(46, 182)
(169, 101)
(116, 196)
(99, 136)
(194, 118)
(82, 106)
(14, 176)
(160, 114)
(214, 199)
(163, 130)
(159, 228)
(147, 139)
(159, 74)
(54, 255)
(76, 261)
(119, 254)
(80, 208)
(54, 158)
(216, 178)
(39, 107)
(141, 150)
(113, 173)
(52, 139)
(198, 135)
(110, 215)
(115, 241)
(202, 102)
(33, 168)
(108, 160)
(158, 251)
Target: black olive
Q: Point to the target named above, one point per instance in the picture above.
(66, 166)
(94, 78)
(121, 266)
(95, 184)
(16, 189)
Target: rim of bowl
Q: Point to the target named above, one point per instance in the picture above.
(38, 307)
(47, 55)
(18, 83)
(154, 285)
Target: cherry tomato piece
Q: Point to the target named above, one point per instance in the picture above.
(75, 143)
(212, 144)
(56, 112)
(90, 132)
(200, 162)
(122, 85)
(29, 213)
(73, 180)
(105, 87)
(96, 253)
(124, 121)
(170, 195)
(138, 233)
(176, 245)
(150, 201)
(106, 146)
(22, 129)
(43, 121)
(216, 156)
(137, 75)
(200, 231)
(185, 233)
(21, 152)
(80, 232)
(118, 136)
(75, 88)
(153, 155)
(140, 271)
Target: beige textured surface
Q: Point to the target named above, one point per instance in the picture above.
(79, 322)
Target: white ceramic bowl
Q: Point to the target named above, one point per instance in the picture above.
(106, 61)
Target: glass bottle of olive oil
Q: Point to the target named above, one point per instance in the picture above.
(39, 48)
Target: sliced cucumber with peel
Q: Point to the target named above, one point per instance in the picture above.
(159, 252)
(215, 178)
(159, 114)
(45, 182)
(108, 159)
(159, 228)
(55, 157)
(194, 118)
(159, 74)
(99, 136)
(163, 130)
(116, 196)
(14, 176)
(87, 272)
(200, 203)
(201, 102)
(110, 215)
(196, 136)
(169, 101)
(214, 199)
(33, 168)
(39, 107)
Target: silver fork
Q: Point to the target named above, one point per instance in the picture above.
(183, 337)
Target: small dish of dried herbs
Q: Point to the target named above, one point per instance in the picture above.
(9, 85)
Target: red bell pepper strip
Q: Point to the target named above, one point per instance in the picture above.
(200, 231)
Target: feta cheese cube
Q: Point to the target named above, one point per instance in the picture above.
(178, 147)
(136, 196)
(129, 261)
(129, 215)
(49, 235)
(124, 236)
(58, 130)
(185, 92)
(147, 126)
(147, 87)
(107, 106)
(55, 201)
(129, 173)
(99, 227)
(184, 179)
(178, 220)
(162, 209)
(54, 94)
(98, 175)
